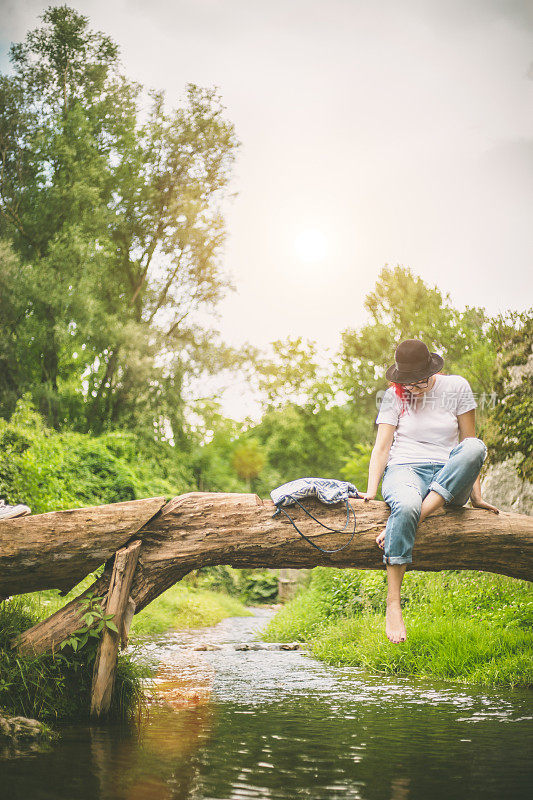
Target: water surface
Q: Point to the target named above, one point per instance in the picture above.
(232, 724)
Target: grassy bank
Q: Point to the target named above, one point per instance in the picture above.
(183, 607)
(464, 626)
(55, 687)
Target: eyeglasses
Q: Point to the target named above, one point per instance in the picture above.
(418, 385)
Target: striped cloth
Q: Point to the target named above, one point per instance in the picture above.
(328, 490)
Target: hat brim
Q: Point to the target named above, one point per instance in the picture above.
(436, 363)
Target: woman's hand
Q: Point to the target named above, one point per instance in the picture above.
(367, 495)
(480, 503)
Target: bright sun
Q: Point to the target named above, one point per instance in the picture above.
(311, 246)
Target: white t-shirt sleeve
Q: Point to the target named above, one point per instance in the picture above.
(389, 409)
(465, 397)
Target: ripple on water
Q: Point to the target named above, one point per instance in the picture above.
(250, 677)
(229, 724)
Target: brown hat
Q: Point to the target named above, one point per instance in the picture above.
(413, 362)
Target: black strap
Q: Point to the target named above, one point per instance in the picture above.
(333, 530)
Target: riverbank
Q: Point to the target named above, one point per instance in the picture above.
(183, 607)
(462, 626)
(56, 687)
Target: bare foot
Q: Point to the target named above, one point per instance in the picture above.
(380, 539)
(395, 626)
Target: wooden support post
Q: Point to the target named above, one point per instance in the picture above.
(288, 583)
(126, 622)
(117, 601)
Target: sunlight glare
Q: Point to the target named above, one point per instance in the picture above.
(311, 246)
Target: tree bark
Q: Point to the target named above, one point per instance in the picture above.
(106, 656)
(203, 529)
(56, 550)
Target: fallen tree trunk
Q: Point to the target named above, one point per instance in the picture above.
(204, 529)
(57, 549)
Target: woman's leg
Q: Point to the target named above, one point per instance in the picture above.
(454, 482)
(431, 502)
(394, 624)
(403, 489)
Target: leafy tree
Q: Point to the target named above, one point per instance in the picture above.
(248, 460)
(510, 425)
(302, 441)
(291, 373)
(213, 439)
(307, 428)
(114, 211)
(356, 467)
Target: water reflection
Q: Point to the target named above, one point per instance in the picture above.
(230, 725)
(158, 763)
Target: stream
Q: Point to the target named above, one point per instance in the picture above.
(230, 724)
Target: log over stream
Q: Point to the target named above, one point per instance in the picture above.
(194, 530)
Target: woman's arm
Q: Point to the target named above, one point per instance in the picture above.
(467, 428)
(378, 459)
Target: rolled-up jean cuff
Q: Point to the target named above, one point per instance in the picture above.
(436, 487)
(393, 560)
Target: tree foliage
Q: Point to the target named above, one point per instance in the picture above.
(51, 470)
(248, 460)
(510, 427)
(111, 215)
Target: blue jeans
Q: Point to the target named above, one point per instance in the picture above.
(405, 486)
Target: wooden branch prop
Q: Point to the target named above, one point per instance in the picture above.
(203, 529)
(106, 656)
(56, 550)
(126, 622)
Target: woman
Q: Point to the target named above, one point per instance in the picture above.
(427, 451)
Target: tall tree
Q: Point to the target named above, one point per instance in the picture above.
(510, 426)
(113, 204)
(292, 373)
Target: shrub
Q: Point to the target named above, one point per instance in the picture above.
(50, 470)
(258, 586)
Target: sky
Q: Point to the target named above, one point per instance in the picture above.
(373, 132)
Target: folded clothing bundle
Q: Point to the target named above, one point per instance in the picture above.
(328, 490)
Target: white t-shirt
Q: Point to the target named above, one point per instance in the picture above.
(428, 429)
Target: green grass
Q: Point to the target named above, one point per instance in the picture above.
(55, 686)
(469, 627)
(183, 607)
(300, 620)
(452, 649)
